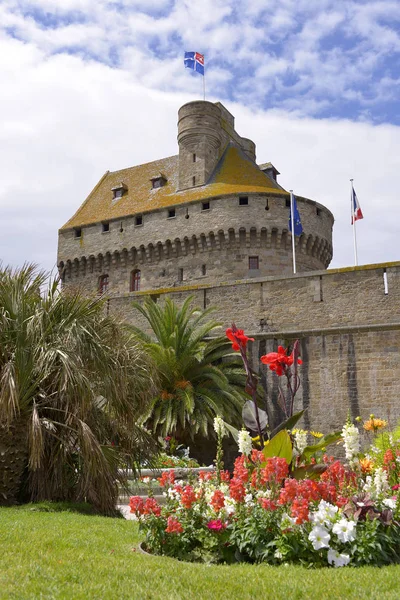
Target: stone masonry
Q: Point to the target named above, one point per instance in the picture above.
(212, 224)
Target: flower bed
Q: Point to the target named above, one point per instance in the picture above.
(261, 514)
(285, 502)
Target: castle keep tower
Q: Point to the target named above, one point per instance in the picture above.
(212, 224)
(207, 215)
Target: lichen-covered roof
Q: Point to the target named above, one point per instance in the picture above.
(234, 174)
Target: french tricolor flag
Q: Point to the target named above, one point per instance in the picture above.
(356, 212)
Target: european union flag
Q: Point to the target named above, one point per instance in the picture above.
(195, 61)
(298, 228)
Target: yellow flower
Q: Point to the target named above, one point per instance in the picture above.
(374, 424)
(256, 439)
(317, 434)
(266, 443)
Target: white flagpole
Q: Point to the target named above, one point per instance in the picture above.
(204, 78)
(293, 240)
(353, 223)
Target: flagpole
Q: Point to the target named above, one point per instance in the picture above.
(204, 79)
(292, 222)
(353, 220)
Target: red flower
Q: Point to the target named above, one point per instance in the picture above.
(173, 526)
(267, 504)
(218, 500)
(216, 525)
(225, 476)
(151, 507)
(238, 338)
(188, 497)
(136, 504)
(167, 478)
(237, 490)
(279, 361)
(300, 510)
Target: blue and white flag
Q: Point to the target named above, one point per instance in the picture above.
(298, 228)
(195, 61)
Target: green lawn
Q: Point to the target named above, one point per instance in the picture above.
(70, 555)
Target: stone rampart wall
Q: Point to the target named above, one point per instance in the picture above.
(349, 330)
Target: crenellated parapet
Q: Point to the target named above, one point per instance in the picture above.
(210, 256)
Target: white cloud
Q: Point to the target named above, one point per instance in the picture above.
(70, 117)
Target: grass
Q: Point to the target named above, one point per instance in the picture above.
(59, 552)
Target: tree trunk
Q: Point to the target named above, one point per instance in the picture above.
(13, 459)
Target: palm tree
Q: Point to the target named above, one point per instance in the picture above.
(199, 375)
(72, 384)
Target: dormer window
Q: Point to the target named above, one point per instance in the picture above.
(119, 190)
(158, 181)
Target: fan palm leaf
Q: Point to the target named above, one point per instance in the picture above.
(74, 381)
(198, 373)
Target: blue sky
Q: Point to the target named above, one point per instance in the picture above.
(314, 83)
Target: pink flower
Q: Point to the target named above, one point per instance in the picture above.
(216, 525)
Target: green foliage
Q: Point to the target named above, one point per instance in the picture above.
(288, 423)
(199, 375)
(72, 382)
(280, 446)
(328, 439)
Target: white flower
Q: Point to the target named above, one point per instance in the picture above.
(278, 554)
(146, 479)
(300, 441)
(248, 499)
(325, 514)
(338, 560)
(378, 484)
(287, 521)
(345, 530)
(219, 426)
(319, 537)
(230, 506)
(389, 503)
(244, 442)
(351, 439)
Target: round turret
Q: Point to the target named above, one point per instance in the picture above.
(199, 139)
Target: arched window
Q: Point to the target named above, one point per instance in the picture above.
(103, 284)
(135, 280)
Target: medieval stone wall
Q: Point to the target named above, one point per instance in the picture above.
(349, 330)
(197, 245)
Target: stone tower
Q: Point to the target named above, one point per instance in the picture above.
(209, 214)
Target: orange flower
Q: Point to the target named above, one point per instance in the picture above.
(374, 424)
(366, 465)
